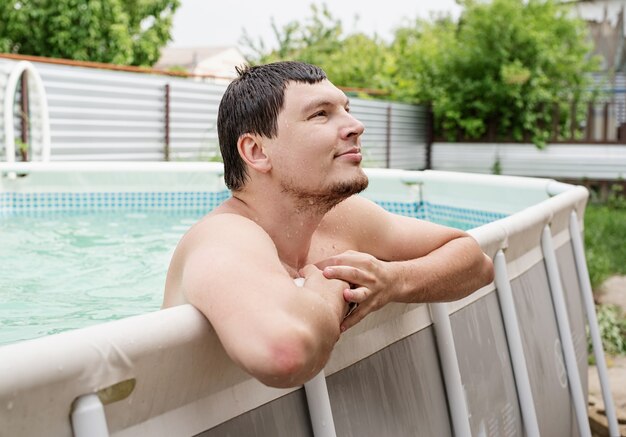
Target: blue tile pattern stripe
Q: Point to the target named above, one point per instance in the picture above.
(37, 203)
(462, 218)
(41, 204)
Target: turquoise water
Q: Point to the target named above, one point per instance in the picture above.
(69, 271)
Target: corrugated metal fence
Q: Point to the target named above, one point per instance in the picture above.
(565, 161)
(98, 114)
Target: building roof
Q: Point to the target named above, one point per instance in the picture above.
(214, 60)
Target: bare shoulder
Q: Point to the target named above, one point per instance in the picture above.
(221, 237)
(356, 216)
(385, 235)
(356, 208)
(214, 249)
(229, 227)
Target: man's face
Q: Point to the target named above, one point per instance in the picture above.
(316, 154)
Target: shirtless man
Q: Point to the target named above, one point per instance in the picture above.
(292, 156)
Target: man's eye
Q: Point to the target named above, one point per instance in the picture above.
(319, 114)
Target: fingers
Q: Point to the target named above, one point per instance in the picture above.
(357, 295)
(312, 275)
(349, 257)
(308, 270)
(355, 317)
(349, 274)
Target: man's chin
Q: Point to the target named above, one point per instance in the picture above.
(334, 193)
(351, 187)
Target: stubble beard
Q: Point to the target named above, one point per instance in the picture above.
(320, 202)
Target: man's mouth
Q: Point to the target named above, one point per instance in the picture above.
(352, 154)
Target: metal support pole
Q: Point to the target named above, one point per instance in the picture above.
(319, 406)
(516, 350)
(317, 399)
(562, 319)
(590, 310)
(457, 403)
(88, 419)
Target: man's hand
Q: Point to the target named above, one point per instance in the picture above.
(327, 288)
(371, 280)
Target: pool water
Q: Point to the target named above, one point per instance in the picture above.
(73, 270)
(67, 270)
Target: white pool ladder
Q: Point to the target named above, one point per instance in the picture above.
(40, 119)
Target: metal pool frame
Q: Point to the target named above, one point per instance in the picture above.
(141, 376)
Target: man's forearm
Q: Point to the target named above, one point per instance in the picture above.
(448, 273)
(451, 272)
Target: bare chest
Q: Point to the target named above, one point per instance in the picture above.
(324, 246)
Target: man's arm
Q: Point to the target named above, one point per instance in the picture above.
(401, 259)
(279, 333)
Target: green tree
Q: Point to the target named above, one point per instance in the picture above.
(419, 53)
(505, 68)
(507, 65)
(126, 32)
(355, 60)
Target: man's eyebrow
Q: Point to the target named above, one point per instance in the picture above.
(317, 103)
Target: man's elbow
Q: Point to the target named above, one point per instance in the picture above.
(482, 268)
(290, 362)
(285, 368)
(488, 274)
(481, 272)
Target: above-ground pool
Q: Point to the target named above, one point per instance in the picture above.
(102, 255)
(510, 359)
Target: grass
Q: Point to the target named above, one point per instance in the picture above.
(612, 325)
(605, 249)
(605, 242)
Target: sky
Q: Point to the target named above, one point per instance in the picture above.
(207, 23)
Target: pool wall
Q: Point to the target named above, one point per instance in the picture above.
(507, 360)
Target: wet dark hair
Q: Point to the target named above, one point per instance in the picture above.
(251, 104)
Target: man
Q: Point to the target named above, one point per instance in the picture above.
(292, 156)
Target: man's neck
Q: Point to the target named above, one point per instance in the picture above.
(289, 225)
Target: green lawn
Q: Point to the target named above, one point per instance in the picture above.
(605, 247)
(605, 242)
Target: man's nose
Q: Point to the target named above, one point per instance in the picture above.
(353, 127)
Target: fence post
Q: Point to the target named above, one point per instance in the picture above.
(590, 121)
(388, 137)
(572, 121)
(556, 115)
(166, 150)
(430, 133)
(605, 124)
(621, 133)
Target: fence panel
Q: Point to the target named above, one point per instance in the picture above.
(98, 114)
(575, 161)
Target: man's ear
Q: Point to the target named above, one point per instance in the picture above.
(251, 150)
